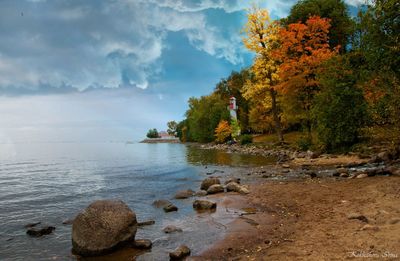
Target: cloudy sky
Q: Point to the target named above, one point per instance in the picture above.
(109, 70)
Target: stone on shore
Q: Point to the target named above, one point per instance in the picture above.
(38, 232)
(143, 244)
(204, 205)
(102, 227)
(184, 194)
(362, 175)
(236, 180)
(201, 193)
(214, 189)
(171, 229)
(244, 190)
(180, 253)
(208, 182)
(358, 216)
(233, 186)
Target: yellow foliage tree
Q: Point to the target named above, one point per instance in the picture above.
(222, 132)
(262, 37)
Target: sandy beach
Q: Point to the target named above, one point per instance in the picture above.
(314, 219)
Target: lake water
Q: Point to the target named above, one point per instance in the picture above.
(52, 182)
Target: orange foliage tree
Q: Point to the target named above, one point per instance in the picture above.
(303, 49)
(222, 132)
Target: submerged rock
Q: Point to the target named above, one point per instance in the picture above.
(208, 182)
(38, 232)
(161, 203)
(102, 227)
(171, 229)
(204, 205)
(184, 194)
(180, 253)
(214, 189)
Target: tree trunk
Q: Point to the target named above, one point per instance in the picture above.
(275, 112)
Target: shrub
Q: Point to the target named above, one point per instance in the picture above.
(246, 139)
(222, 132)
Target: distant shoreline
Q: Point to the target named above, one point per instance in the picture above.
(160, 140)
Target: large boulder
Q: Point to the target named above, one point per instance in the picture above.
(214, 189)
(102, 227)
(208, 182)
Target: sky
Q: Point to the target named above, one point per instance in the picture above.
(110, 70)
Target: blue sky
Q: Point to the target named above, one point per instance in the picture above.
(109, 70)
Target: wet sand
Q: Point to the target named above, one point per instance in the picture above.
(309, 220)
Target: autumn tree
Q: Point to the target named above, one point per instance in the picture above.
(222, 132)
(304, 47)
(262, 38)
(336, 10)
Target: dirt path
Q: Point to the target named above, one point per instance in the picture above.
(309, 220)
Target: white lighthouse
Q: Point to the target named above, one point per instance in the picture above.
(233, 108)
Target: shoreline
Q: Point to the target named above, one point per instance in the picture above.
(291, 213)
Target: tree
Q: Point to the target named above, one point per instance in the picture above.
(262, 38)
(340, 110)
(222, 132)
(377, 42)
(304, 47)
(203, 116)
(335, 10)
(172, 125)
(152, 134)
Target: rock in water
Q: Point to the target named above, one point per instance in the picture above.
(180, 253)
(38, 232)
(184, 194)
(172, 229)
(204, 205)
(146, 223)
(161, 203)
(208, 182)
(102, 227)
(143, 244)
(170, 208)
(214, 189)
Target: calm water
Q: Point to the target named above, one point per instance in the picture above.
(52, 182)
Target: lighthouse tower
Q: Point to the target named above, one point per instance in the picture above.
(233, 108)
